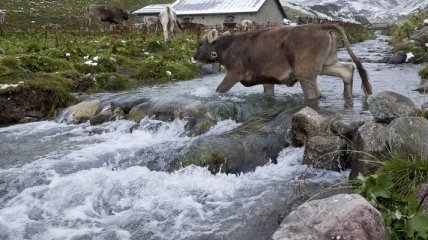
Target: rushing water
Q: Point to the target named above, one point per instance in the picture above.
(64, 181)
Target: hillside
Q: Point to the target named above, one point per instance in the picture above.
(63, 12)
(371, 9)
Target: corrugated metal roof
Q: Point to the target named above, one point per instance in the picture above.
(151, 9)
(189, 7)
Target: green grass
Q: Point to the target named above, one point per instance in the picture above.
(66, 13)
(392, 191)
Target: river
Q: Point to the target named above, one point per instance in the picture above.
(68, 181)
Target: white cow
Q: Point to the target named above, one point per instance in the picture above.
(248, 25)
(152, 23)
(168, 20)
(2, 17)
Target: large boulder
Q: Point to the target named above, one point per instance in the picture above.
(343, 216)
(305, 124)
(370, 145)
(325, 152)
(386, 106)
(254, 143)
(408, 136)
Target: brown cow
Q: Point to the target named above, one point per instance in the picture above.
(281, 55)
(97, 13)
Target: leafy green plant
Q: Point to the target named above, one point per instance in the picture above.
(423, 73)
(36, 63)
(391, 190)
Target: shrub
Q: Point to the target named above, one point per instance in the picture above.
(391, 190)
(423, 73)
(33, 47)
(102, 65)
(110, 81)
(11, 62)
(35, 63)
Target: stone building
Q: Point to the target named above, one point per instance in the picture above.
(217, 12)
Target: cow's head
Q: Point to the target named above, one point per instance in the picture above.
(125, 15)
(206, 51)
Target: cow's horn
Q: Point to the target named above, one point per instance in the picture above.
(212, 35)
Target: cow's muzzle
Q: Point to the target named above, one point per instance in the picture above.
(193, 61)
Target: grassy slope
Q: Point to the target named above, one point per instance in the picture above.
(64, 12)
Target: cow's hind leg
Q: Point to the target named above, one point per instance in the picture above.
(343, 70)
(269, 89)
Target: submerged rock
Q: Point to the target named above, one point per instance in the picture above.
(200, 116)
(343, 216)
(253, 144)
(386, 106)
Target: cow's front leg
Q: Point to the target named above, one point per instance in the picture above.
(228, 82)
(269, 89)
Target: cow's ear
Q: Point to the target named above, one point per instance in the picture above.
(212, 35)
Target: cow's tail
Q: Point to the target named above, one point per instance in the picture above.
(366, 86)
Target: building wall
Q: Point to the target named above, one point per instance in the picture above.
(269, 12)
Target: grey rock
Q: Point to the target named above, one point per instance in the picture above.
(200, 116)
(253, 144)
(325, 152)
(370, 145)
(409, 136)
(83, 111)
(127, 103)
(305, 124)
(421, 193)
(343, 216)
(386, 106)
(343, 129)
(398, 58)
